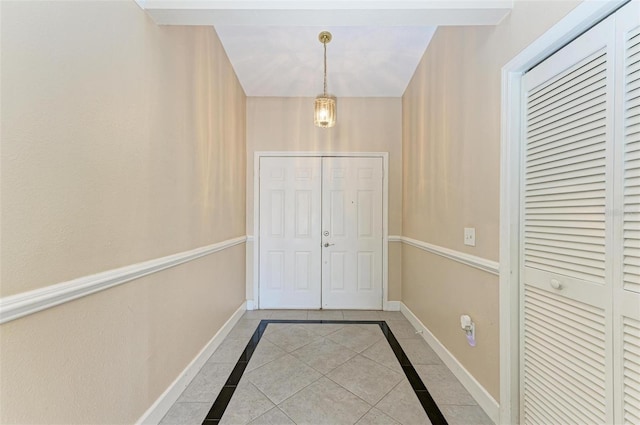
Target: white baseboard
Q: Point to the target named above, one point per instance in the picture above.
(392, 306)
(251, 305)
(477, 391)
(156, 412)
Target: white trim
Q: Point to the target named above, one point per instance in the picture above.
(393, 306)
(461, 257)
(385, 230)
(509, 254)
(584, 16)
(395, 238)
(258, 154)
(326, 13)
(477, 391)
(25, 303)
(161, 406)
(249, 268)
(385, 213)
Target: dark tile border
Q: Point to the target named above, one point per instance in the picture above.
(222, 401)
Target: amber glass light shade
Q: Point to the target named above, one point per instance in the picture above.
(325, 111)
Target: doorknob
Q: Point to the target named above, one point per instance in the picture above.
(555, 284)
(327, 244)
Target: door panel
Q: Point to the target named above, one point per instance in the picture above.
(352, 233)
(627, 265)
(290, 196)
(566, 335)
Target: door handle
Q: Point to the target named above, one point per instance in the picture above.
(327, 244)
(556, 284)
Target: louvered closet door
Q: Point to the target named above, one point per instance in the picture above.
(627, 267)
(566, 294)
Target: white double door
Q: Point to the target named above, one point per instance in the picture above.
(320, 232)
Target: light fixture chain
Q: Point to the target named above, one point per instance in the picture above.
(325, 66)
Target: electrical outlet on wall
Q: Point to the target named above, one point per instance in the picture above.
(470, 236)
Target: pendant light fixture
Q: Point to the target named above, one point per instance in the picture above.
(325, 111)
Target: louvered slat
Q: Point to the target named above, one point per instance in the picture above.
(579, 313)
(538, 414)
(579, 73)
(546, 204)
(568, 396)
(569, 104)
(589, 373)
(586, 167)
(567, 250)
(631, 370)
(594, 130)
(551, 394)
(581, 140)
(565, 165)
(564, 360)
(631, 220)
(568, 126)
(595, 177)
(585, 104)
(588, 250)
(557, 231)
(586, 189)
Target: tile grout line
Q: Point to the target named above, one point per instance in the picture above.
(365, 414)
(276, 405)
(325, 375)
(284, 413)
(306, 386)
(383, 397)
(376, 361)
(224, 397)
(291, 352)
(351, 392)
(379, 401)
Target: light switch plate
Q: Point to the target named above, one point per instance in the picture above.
(470, 236)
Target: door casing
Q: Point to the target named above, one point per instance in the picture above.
(385, 213)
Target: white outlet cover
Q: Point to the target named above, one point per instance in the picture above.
(470, 236)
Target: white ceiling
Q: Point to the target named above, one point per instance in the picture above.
(361, 61)
(377, 44)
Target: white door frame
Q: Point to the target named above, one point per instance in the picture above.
(583, 17)
(385, 213)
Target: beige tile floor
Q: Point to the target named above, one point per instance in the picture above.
(325, 374)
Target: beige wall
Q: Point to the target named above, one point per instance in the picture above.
(107, 357)
(122, 141)
(364, 125)
(451, 176)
